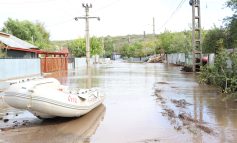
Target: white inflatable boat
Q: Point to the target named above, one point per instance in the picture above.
(47, 98)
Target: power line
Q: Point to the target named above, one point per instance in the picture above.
(173, 13)
(60, 23)
(106, 6)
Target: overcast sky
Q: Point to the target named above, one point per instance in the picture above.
(118, 17)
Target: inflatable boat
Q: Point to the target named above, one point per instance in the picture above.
(47, 98)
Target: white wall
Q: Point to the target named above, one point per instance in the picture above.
(14, 68)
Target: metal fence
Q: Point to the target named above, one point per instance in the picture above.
(176, 58)
(80, 62)
(12, 68)
(182, 58)
(16, 68)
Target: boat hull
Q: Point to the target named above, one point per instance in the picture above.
(48, 108)
(48, 102)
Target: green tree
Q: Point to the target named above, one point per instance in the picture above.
(2, 53)
(188, 41)
(166, 41)
(96, 46)
(149, 48)
(180, 43)
(231, 23)
(34, 33)
(124, 50)
(214, 34)
(233, 79)
(137, 50)
(232, 4)
(175, 42)
(78, 47)
(133, 50)
(128, 50)
(108, 47)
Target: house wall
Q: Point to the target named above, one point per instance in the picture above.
(20, 54)
(14, 68)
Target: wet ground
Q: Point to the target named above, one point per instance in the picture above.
(145, 103)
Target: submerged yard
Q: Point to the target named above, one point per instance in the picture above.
(144, 103)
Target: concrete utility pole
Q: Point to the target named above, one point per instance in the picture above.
(144, 35)
(196, 34)
(87, 36)
(154, 27)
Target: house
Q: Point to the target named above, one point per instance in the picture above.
(16, 48)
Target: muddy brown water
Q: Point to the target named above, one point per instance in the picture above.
(131, 112)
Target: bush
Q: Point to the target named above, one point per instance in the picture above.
(219, 74)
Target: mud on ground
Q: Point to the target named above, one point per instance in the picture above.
(178, 117)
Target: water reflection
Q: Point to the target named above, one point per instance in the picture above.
(88, 79)
(83, 77)
(60, 75)
(61, 130)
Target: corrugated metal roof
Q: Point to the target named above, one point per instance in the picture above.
(13, 41)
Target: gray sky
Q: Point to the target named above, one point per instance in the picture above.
(118, 17)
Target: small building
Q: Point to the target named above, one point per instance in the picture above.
(14, 47)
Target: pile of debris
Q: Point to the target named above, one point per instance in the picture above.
(156, 59)
(180, 103)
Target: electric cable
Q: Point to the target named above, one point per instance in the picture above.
(172, 14)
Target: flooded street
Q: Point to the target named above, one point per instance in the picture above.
(134, 111)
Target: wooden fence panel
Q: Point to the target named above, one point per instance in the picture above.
(53, 64)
